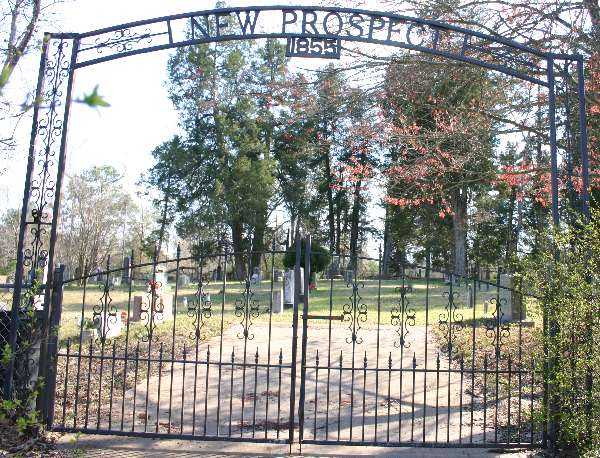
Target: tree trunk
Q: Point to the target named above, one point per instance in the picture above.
(355, 225)
(330, 206)
(459, 231)
(237, 240)
(387, 246)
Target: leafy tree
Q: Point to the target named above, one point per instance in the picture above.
(94, 209)
(444, 154)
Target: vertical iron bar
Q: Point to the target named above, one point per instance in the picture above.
(508, 435)
(31, 160)
(412, 404)
(103, 332)
(135, 383)
(80, 350)
(255, 394)
(177, 261)
(450, 324)
(160, 362)
(307, 273)
(231, 390)
(294, 341)
(65, 386)
(112, 384)
(269, 335)
(583, 140)
(364, 390)
(126, 361)
(57, 299)
(460, 413)
(206, 388)
(378, 344)
(473, 359)
(89, 375)
(152, 305)
(339, 413)
(485, 389)
(279, 391)
(224, 288)
(183, 387)
(402, 311)
(389, 395)
(329, 345)
(497, 351)
(316, 391)
(437, 395)
(426, 372)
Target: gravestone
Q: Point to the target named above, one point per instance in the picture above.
(510, 301)
(126, 273)
(184, 280)
(163, 308)
(278, 276)
(277, 300)
(256, 276)
(348, 276)
(107, 325)
(288, 287)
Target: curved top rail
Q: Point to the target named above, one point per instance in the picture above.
(313, 23)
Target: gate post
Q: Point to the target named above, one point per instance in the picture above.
(49, 368)
(294, 339)
(307, 256)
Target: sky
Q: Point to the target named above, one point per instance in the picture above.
(140, 116)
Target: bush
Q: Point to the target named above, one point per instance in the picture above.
(569, 289)
(319, 260)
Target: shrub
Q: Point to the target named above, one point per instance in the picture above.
(569, 289)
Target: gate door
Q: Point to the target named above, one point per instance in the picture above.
(177, 348)
(417, 356)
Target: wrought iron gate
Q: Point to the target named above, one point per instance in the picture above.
(399, 359)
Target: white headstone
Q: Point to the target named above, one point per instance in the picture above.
(277, 300)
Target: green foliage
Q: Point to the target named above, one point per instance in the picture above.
(93, 99)
(319, 260)
(569, 290)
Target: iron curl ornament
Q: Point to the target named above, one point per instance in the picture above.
(199, 309)
(122, 40)
(151, 309)
(450, 320)
(104, 314)
(247, 307)
(496, 328)
(403, 316)
(354, 312)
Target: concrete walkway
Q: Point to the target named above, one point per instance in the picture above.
(113, 446)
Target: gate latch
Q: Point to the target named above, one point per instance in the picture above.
(325, 317)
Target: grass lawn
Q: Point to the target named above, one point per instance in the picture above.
(427, 303)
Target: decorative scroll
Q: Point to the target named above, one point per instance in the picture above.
(496, 329)
(247, 308)
(200, 309)
(49, 131)
(151, 310)
(123, 40)
(450, 321)
(354, 313)
(105, 314)
(402, 316)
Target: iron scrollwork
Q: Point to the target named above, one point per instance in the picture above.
(247, 308)
(200, 309)
(354, 312)
(49, 131)
(496, 328)
(151, 310)
(450, 320)
(104, 314)
(403, 316)
(123, 40)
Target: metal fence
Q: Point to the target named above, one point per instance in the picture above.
(420, 357)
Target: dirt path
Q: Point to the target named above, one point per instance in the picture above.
(376, 404)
